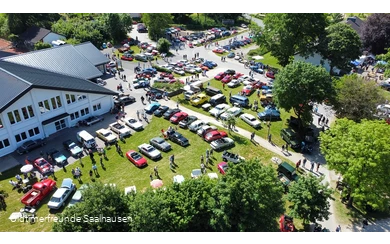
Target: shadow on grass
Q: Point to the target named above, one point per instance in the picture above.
(239, 140)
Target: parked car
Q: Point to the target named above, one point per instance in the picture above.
(233, 83)
(232, 157)
(219, 109)
(287, 174)
(140, 57)
(73, 148)
(271, 74)
(291, 137)
(77, 196)
(160, 111)
(149, 151)
(92, 120)
(58, 157)
(222, 143)
(170, 112)
(125, 100)
(195, 126)
(187, 121)
(220, 76)
(227, 79)
(160, 144)
(141, 83)
(247, 90)
(136, 158)
(233, 111)
(178, 138)
(198, 99)
(106, 135)
(214, 135)
(62, 194)
(251, 120)
(30, 145)
(179, 71)
(188, 94)
(153, 106)
(120, 129)
(222, 167)
(42, 165)
(127, 57)
(177, 117)
(205, 129)
(38, 192)
(133, 123)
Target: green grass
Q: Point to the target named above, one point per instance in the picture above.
(258, 16)
(270, 60)
(121, 172)
(276, 126)
(386, 94)
(136, 50)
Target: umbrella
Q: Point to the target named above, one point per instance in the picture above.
(26, 168)
(178, 178)
(156, 183)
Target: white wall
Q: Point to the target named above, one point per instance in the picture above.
(314, 59)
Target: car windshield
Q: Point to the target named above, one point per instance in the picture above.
(41, 162)
(72, 145)
(132, 121)
(55, 199)
(159, 141)
(149, 149)
(136, 156)
(106, 134)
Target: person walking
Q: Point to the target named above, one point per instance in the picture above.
(326, 121)
(298, 164)
(94, 168)
(207, 153)
(312, 166)
(270, 138)
(338, 228)
(155, 171)
(304, 162)
(318, 166)
(282, 148)
(151, 176)
(202, 168)
(253, 136)
(201, 159)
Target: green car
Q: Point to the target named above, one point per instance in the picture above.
(290, 136)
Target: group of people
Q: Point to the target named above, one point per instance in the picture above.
(204, 163)
(322, 120)
(303, 163)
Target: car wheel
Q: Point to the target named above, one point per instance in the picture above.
(37, 203)
(224, 159)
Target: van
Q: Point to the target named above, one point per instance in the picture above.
(86, 139)
(217, 99)
(211, 91)
(239, 100)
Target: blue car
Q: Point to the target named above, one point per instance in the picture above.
(208, 65)
(270, 113)
(226, 33)
(231, 55)
(152, 107)
(214, 64)
(150, 70)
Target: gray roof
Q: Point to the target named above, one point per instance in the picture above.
(34, 34)
(92, 53)
(64, 59)
(16, 80)
(356, 23)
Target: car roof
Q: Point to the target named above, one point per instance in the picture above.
(67, 182)
(59, 193)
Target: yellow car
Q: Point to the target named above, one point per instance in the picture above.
(198, 99)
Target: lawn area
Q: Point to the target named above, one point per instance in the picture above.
(386, 94)
(136, 50)
(121, 172)
(268, 59)
(276, 126)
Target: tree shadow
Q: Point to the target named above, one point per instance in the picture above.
(239, 140)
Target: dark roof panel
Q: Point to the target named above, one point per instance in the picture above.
(92, 53)
(11, 88)
(34, 34)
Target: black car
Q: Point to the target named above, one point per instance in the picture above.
(170, 112)
(187, 121)
(92, 120)
(125, 100)
(230, 72)
(161, 110)
(178, 138)
(157, 94)
(30, 145)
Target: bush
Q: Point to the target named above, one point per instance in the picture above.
(258, 51)
(161, 69)
(163, 45)
(41, 45)
(168, 87)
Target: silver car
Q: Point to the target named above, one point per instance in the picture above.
(149, 151)
(160, 143)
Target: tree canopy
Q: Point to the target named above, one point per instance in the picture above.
(376, 33)
(360, 152)
(342, 44)
(300, 83)
(285, 35)
(157, 23)
(163, 45)
(385, 57)
(19, 22)
(335, 18)
(309, 199)
(356, 98)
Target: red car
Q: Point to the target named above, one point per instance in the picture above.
(204, 67)
(191, 45)
(215, 135)
(42, 165)
(136, 158)
(247, 90)
(127, 58)
(227, 79)
(258, 84)
(220, 76)
(179, 64)
(218, 50)
(182, 39)
(166, 75)
(237, 75)
(270, 74)
(177, 117)
(222, 167)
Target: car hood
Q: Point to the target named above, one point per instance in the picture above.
(53, 204)
(137, 125)
(124, 130)
(154, 153)
(60, 158)
(111, 137)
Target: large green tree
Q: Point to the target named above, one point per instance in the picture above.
(310, 199)
(300, 83)
(342, 44)
(360, 152)
(156, 24)
(249, 198)
(376, 32)
(118, 25)
(285, 35)
(19, 22)
(385, 65)
(163, 45)
(356, 98)
(335, 18)
(98, 200)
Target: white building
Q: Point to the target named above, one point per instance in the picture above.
(36, 102)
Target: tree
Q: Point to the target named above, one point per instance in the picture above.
(231, 122)
(376, 33)
(336, 18)
(118, 25)
(41, 45)
(99, 201)
(356, 99)
(285, 35)
(163, 45)
(310, 199)
(19, 22)
(384, 57)
(360, 152)
(300, 83)
(181, 18)
(342, 44)
(156, 24)
(248, 198)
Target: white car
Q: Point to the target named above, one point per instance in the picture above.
(234, 111)
(190, 70)
(106, 135)
(237, 57)
(166, 66)
(196, 68)
(133, 123)
(179, 71)
(243, 78)
(219, 109)
(149, 151)
(194, 126)
(233, 83)
(222, 143)
(205, 129)
(250, 120)
(120, 129)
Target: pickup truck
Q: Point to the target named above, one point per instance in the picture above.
(38, 192)
(232, 157)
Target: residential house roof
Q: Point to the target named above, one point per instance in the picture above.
(34, 34)
(64, 60)
(16, 80)
(92, 53)
(356, 23)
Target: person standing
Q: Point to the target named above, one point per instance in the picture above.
(270, 138)
(286, 147)
(283, 148)
(298, 164)
(94, 168)
(338, 228)
(202, 168)
(304, 162)
(318, 166)
(253, 136)
(312, 166)
(151, 177)
(155, 171)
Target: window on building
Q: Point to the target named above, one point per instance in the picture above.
(44, 106)
(1, 124)
(53, 103)
(28, 112)
(4, 143)
(47, 105)
(14, 117)
(75, 115)
(33, 132)
(11, 118)
(59, 103)
(84, 111)
(17, 116)
(97, 107)
(81, 97)
(20, 137)
(70, 98)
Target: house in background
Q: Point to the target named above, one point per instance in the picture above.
(36, 34)
(356, 23)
